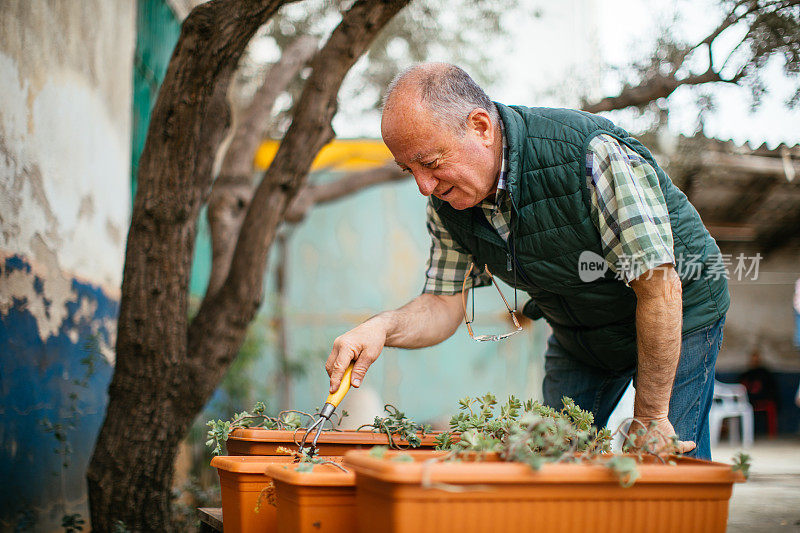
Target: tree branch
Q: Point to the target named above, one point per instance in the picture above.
(657, 87)
(660, 85)
(348, 184)
(217, 331)
(254, 124)
(234, 187)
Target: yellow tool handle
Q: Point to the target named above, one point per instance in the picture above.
(335, 398)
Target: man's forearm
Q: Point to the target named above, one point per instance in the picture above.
(426, 320)
(659, 313)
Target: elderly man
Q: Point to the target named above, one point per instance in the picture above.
(571, 209)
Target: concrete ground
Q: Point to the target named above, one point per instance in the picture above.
(770, 499)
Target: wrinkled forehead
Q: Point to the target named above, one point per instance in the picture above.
(398, 128)
(404, 107)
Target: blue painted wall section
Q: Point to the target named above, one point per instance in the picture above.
(52, 399)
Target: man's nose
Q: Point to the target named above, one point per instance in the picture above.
(425, 181)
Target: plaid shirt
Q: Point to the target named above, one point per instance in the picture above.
(627, 207)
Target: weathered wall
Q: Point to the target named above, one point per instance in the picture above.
(761, 313)
(65, 81)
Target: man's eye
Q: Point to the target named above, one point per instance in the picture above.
(405, 169)
(431, 164)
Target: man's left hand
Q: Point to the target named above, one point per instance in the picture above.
(658, 436)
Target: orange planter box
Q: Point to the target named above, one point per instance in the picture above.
(243, 474)
(492, 495)
(323, 500)
(259, 441)
(242, 479)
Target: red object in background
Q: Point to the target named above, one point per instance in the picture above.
(762, 391)
(770, 410)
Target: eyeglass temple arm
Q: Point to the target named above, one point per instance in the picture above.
(501, 292)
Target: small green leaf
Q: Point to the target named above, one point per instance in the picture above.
(378, 452)
(625, 468)
(741, 463)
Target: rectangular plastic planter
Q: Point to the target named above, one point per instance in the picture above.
(323, 500)
(242, 479)
(492, 496)
(243, 476)
(259, 441)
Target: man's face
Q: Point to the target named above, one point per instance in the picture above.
(460, 169)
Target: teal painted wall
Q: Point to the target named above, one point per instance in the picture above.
(352, 259)
(157, 31)
(367, 253)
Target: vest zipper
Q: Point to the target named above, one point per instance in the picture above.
(512, 256)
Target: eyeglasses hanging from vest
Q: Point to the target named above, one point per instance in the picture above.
(468, 320)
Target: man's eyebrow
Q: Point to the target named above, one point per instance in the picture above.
(421, 155)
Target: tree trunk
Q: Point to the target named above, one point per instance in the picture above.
(130, 473)
(165, 370)
(216, 333)
(234, 187)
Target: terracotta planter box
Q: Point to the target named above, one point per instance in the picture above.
(242, 479)
(323, 500)
(497, 496)
(259, 441)
(243, 475)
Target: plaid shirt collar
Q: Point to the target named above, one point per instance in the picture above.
(502, 176)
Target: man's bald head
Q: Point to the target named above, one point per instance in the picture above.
(445, 91)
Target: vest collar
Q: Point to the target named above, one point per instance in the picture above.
(514, 126)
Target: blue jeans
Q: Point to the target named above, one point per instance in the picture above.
(599, 391)
(796, 329)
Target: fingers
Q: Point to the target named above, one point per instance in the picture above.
(337, 363)
(363, 362)
(686, 446)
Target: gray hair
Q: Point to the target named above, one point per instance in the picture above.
(447, 91)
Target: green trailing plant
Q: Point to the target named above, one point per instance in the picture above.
(379, 452)
(545, 435)
(531, 433)
(480, 427)
(640, 439)
(547, 432)
(741, 463)
(396, 424)
(291, 420)
(305, 462)
(625, 468)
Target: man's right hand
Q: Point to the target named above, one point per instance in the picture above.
(362, 344)
(426, 320)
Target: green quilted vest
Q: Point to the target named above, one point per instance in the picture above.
(551, 226)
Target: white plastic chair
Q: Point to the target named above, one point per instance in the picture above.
(730, 401)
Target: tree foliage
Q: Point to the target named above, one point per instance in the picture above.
(760, 30)
(455, 30)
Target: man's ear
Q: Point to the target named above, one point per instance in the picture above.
(481, 124)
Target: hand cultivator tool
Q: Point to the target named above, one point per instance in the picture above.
(331, 403)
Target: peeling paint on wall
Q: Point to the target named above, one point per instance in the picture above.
(58, 149)
(49, 334)
(65, 142)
